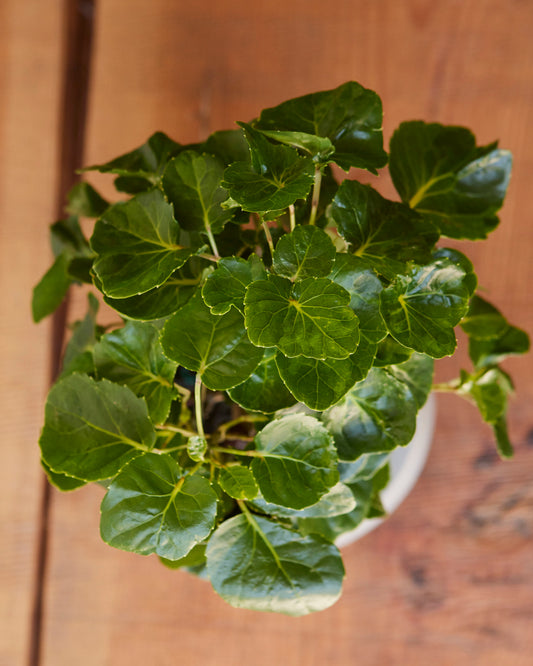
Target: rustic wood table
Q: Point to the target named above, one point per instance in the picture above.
(449, 578)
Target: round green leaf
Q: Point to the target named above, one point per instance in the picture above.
(377, 415)
(92, 429)
(257, 564)
(215, 346)
(308, 318)
(226, 286)
(151, 507)
(264, 391)
(297, 461)
(238, 482)
(422, 307)
(305, 252)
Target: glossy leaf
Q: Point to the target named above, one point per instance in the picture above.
(385, 233)
(483, 321)
(215, 346)
(391, 352)
(194, 558)
(319, 383)
(84, 200)
(338, 500)
(350, 116)
(60, 481)
(275, 179)
(353, 274)
(138, 245)
(421, 308)
(375, 416)
(152, 507)
(417, 374)
(264, 391)
(439, 171)
(238, 482)
(226, 286)
(255, 563)
(305, 252)
(67, 236)
(308, 318)
(192, 184)
(365, 467)
(229, 146)
(148, 160)
(297, 462)
(320, 148)
(92, 429)
(133, 356)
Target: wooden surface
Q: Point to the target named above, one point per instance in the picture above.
(29, 91)
(449, 578)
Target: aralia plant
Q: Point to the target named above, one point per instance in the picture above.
(277, 338)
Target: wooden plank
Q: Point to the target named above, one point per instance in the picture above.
(29, 89)
(449, 578)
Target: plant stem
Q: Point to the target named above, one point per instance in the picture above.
(292, 215)
(198, 405)
(212, 242)
(316, 195)
(268, 235)
(237, 452)
(445, 388)
(173, 428)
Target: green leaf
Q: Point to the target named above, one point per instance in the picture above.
(255, 563)
(305, 252)
(297, 462)
(338, 500)
(60, 481)
(149, 160)
(229, 146)
(512, 342)
(226, 286)
(78, 355)
(132, 184)
(133, 356)
(391, 352)
(92, 429)
(264, 391)
(353, 274)
(417, 374)
(67, 236)
(159, 302)
(320, 148)
(215, 346)
(385, 233)
(308, 318)
(275, 179)
(483, 321)
(192, 184)
(152, 507)
(376, 415)
(49, 293)
(319, 384)
(84, 200)
(196, 448)
(238, 482)
(194, 558)
(138, 243)
(350, 116)
(421, 308)
(331, 527)
(505, 448)
(365, 467)
(439, 171)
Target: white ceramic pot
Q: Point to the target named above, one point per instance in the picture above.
(406, 465)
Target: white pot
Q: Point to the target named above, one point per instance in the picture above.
(406, 465)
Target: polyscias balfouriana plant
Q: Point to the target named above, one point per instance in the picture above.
(277, 337)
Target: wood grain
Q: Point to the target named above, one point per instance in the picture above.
(29, 89)
(449, 579)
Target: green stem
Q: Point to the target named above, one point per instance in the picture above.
(212, 242)
(316, 195)
(268, 235)
(237, 452)
(173, 428)
(198, 405)
(452, 387)
(292, 215)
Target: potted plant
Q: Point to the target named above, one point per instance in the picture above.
(278, 332)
